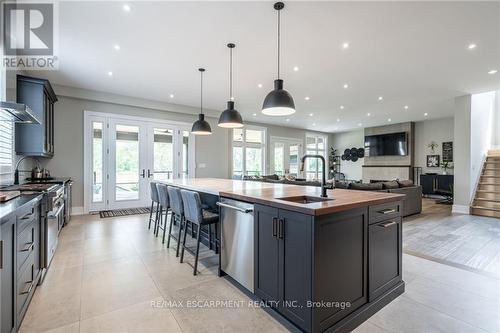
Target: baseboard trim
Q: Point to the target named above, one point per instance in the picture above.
(460, 209)
(76, 211)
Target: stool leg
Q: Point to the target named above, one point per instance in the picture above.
(216, 243)
(179, 237)
(184, 241)
(197, 249)
(160, 218)
(210, 236)
(156, 216)
(172, 219)
(165, 226)
(151, 214)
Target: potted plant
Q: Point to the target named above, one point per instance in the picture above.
(446, 166)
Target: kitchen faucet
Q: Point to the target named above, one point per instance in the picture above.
(323, 182)
(16, 172)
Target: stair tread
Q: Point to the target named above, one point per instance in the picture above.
(485, 208)
(488, 199)
(486, 191)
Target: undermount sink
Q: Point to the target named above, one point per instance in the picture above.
(304, 199)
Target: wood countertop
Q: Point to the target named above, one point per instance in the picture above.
(269, 194)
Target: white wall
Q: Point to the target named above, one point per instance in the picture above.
(481, 133)
(345, 140)
(437, 130)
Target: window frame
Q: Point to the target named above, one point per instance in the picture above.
(7, 171)
(244, 145)
(316, 172)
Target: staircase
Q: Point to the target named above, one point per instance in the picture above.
(487, 199)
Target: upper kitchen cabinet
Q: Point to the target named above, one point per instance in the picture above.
(36, 139)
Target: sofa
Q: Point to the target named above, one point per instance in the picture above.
(412, 202)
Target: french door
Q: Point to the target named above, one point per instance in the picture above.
(286, 156)
(123, 155)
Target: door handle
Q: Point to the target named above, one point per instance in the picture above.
(387, 224)
(150, 173)
(143, 174)
(281, 228)
(275, 227)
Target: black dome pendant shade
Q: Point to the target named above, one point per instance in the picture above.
(201, 126)
(230, 118)
(278, 102)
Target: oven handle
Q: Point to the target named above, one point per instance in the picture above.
(53, 216)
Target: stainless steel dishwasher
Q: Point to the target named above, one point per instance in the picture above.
(237, 243)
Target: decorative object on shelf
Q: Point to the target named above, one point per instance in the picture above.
(447, 151)
(201, 126)
(278, 102)
(433, 161)
(353, 154)
(445, 166)
(230, 118)
(432, 146)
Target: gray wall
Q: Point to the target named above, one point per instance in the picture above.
(461, 147)
(348, 140)
(213, 151)
(437, 130)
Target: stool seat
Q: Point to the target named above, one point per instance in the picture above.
(209, 217)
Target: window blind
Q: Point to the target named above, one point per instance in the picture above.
(6, 143)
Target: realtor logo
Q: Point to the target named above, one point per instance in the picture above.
(29, 35)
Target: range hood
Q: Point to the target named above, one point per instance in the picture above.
(19, 113)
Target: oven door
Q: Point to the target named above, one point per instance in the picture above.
(54, 219)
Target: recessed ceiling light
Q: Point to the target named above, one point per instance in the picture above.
(472, 46)
(172, 96)
(110, 73)
(307, 98)
(426, 114)
(338, 120)
(117, 47)
(380, 98)
(259, 85)
(493, 71)
(126, 7)
(406, 107)
(296, 69)
(287, 119)
(346, 86)
(389, 120)
(368, 114)
(311, 114)
(360, 124)
(341, 107)
(255, 114)
(345, 45)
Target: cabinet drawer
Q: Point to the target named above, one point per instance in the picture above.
(27, 215)
(382, 212)
(26, 242)
(26, 282)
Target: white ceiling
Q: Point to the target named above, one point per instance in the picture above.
(411, 53)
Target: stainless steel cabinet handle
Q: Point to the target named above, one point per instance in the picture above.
(27, 290)
(275, 232)
(28, 247)
(388, 224)
(281, 228)
(387, 211)
(243, 210)
(1, 254)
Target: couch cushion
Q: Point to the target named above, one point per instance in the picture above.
(390, 185)
(405, 183)
(273, 177)
(366, 186)
(341, 184)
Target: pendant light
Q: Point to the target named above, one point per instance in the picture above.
(230, 118)
(201, 126)
(278, 102)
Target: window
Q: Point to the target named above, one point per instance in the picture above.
(248, 151)
(6, 143)
(315, 145)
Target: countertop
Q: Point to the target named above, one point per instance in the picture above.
(8, 207)
(269, 194)
(54, 180)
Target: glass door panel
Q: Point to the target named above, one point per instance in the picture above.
(279, 158)
(253, 161)
(163, 154)
(127, 163)
(97, 162)
(185, 155)
(293, 159)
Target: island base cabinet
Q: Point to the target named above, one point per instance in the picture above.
(283, 264)
(385, 260)
(7, 275)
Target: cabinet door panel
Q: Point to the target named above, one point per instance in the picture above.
(340, 266)
(7, 275)
(296, 267)
(266, 254)
(385, 256)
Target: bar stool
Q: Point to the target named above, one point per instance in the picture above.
(154, 200)
(194, 213)
(164, 205)
(177, 208)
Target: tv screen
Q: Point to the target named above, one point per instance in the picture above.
(392, 144)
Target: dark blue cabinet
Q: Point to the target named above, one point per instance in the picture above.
(8, 274)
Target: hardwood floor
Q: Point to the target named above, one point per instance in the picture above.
(465, 241)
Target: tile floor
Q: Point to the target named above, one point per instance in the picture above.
(112, 275)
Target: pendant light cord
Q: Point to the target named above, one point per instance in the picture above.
(201, 92)
(279, 39)
(230, 73)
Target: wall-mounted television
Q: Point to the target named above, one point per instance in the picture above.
(391, 144)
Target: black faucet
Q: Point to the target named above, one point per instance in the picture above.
(323, 182)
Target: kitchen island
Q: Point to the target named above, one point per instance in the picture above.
(322, 263)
